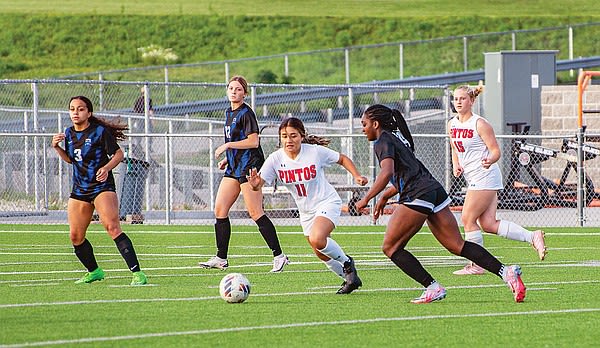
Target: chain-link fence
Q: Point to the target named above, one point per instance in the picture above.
(170, 175)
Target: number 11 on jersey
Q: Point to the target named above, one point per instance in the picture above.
(301, 190)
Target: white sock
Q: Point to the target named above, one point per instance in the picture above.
(510, 230)
(474, 237)
(434, 285)
(334, 251)
(335, 267)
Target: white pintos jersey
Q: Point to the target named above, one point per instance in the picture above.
(471, 149)
(304, 176)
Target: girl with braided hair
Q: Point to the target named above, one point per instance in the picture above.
(91, 147)
(299, 165)
(422, 198)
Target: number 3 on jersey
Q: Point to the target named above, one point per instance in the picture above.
(77, 153)
(301, 190)
(458, 145)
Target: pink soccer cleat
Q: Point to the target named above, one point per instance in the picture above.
(538, 243)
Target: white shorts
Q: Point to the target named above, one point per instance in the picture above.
(485, 179)
(330, 210)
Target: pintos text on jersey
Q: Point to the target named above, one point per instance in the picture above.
(457, 133)
(298, 174)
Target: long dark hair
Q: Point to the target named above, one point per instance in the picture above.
(297, 124)
(391, 120)
(115, 127)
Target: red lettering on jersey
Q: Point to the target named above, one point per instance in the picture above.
(298, 174)
(457, 133)
(306, 173)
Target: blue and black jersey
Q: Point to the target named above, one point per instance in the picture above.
(240, 123)
(411, 178)
(90, 150)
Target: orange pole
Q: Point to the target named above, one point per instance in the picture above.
(582, 83)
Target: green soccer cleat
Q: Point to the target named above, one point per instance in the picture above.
(139, 278)
(89, 277)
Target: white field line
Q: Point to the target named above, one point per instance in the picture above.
(301, 324)
(211, 232)
(429, 261)
(297, 293)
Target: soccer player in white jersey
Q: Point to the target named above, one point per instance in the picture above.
(475, 153)
(299, 165)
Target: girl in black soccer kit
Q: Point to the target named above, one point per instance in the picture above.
(91, 147)
(422, 198)
(243, 152)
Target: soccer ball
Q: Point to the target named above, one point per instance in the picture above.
(234, 288)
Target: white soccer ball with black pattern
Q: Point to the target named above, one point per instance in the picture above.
(234, 288)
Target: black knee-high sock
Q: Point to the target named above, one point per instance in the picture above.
(126, 249)
(412, 267)
(85, 254)
(482, 257)
(267, 230)
(222, 234)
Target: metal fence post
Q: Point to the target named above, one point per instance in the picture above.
(167, 84)
(401, 62)
(100, 93)
(465, 54)
(168, 176)
(349, 152)
(147, 130)
(580, 178)
(60, 162)
(26, 150)
(36, 188)
(347, 64)
(514, 40)
(211, 166)
(571, 72)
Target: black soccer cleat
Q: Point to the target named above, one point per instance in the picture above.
(352, 282)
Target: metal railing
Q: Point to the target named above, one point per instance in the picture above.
(468, 47)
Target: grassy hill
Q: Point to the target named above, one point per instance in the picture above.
(49, 39)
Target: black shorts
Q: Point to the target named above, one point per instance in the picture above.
(240, 179)
(430, 202)
(88, 198)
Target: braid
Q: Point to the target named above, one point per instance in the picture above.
(390, 120)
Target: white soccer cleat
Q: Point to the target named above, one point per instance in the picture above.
(538, 243)
(431, 295)
(215, 262)
(470, 269)
(279, 262)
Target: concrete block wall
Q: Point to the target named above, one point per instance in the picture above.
(559, 117)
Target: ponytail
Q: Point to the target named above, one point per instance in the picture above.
(115, 127)
(403, 127)
(391, 120)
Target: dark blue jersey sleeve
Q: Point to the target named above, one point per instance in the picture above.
(110, 143)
